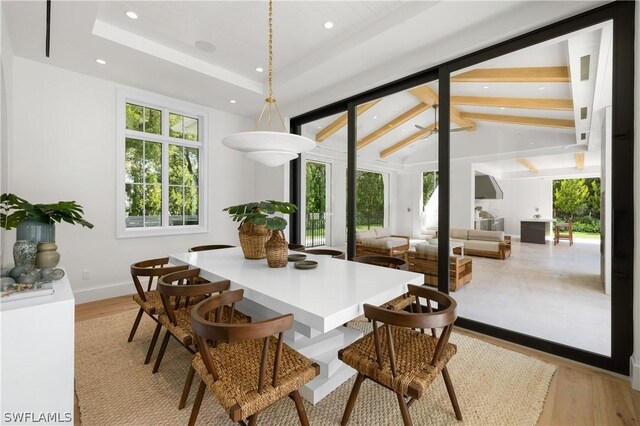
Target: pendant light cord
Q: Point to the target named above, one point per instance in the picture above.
(270, 101)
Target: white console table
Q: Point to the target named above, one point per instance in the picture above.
(37, 358)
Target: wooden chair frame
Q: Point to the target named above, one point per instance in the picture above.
(153, 268)
(336, 254)
(218, 332)
(443, 318)
(559, 235)
(189, 285)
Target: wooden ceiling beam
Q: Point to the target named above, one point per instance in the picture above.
(407, 141)
(526, 103)
(579, 160)
(426, 95)
(341, 121)
(514, 75)
(528, 164)
(515, 119)
(387, 127)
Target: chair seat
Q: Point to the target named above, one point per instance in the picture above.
(153, 305)
(237, 384)
(183, 331)
(414, 352)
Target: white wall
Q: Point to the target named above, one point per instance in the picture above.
(6, 97)
(521, 197)
(406, 204)
(64, 148)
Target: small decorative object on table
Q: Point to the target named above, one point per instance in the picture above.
(262, 215)
(24, 254)
(305, 264)
(47, 256)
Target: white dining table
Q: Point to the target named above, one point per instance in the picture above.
(321, 300)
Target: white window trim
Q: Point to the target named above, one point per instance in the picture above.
(163, 103)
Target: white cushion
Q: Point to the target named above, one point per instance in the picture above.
(426, 248)
(365, 235)
(387, 242)
(383, 232)
(486, 235)
(490, 246)
(459, 234)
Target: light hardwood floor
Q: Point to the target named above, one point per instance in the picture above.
(578, 395)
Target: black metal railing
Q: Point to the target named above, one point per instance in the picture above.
(315, 229)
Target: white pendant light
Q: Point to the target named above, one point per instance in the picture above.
(269, 147)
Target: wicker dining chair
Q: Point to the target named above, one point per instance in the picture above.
(336, 254)
(177, 317)
(210, 247)
(247, 369)
(401, 358)
(400, 302)
(149, 298)
(297, 247)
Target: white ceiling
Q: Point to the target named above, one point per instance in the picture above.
(372, 42)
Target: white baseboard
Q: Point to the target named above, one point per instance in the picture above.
(634, 372)
(104, 292)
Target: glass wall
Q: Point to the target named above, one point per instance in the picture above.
(528, 189)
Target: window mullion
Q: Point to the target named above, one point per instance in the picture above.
(165, 168)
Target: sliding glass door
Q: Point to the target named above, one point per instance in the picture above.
(509, 172)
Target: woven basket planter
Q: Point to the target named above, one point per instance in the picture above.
(253, 239)
(277, 250)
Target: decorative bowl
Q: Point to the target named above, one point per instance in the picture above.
(305, 264)
(296, 257)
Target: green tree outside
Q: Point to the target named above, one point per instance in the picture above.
(369, 199)
(430, 181)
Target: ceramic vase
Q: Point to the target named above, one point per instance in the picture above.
(35, 231)
(24, 254)
(277, 250)
(47, 256)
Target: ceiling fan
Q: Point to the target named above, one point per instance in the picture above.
(435, 126)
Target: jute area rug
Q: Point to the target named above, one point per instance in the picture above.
(494, 386)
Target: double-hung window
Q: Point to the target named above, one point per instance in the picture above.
(161, 166)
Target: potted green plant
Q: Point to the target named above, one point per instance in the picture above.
(261, 229)
(35, 225)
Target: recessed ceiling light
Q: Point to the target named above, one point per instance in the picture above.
(541, 88)
(259, 69)
(502, 108)
(233, 101)
(375, 117)
(205, 46)
(101, 61)
(131, 14)
(328, 25)
(319, 127)
(485, 87)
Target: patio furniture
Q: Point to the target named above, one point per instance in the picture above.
(424, 259)
(401, 358)
(381, 242)
(400, 302)
(148, 299)
(247, 369)
(563, 231)
(321, 300)
(494, 244)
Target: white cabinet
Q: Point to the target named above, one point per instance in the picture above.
(37, 358)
